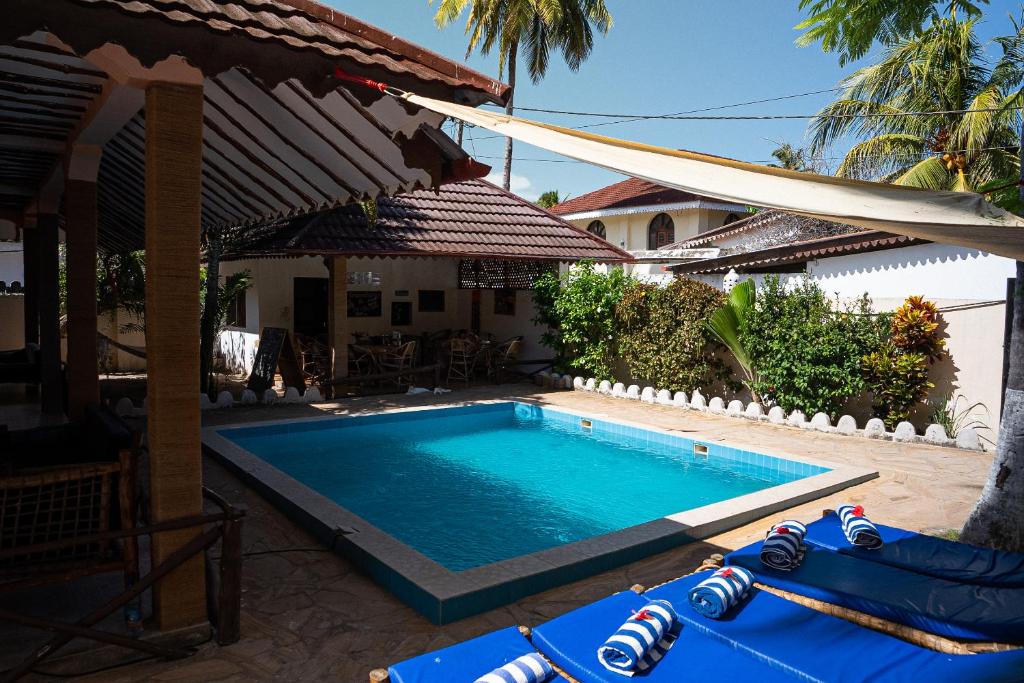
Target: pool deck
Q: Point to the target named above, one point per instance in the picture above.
(309, 615)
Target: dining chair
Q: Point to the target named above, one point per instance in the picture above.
(461, 360)
(400, 361)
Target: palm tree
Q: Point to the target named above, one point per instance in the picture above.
(794, 158)
(538, 25)
(851, 27)
(941, 69)
(998, 517)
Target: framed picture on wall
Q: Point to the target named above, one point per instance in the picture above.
(401, 313)
(504, 302)
(364, 305)
(431, 301)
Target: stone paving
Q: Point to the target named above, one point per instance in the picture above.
(309, 616)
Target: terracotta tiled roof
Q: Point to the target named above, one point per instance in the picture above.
(631, 192)
(468, 219)
(799, 252)
(152, 29)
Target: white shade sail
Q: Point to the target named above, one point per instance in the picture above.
(960, 218)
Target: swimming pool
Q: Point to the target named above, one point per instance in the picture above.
(473, 489)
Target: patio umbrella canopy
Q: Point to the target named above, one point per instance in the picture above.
(961, 218)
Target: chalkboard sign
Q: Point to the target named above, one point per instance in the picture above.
(275, 350)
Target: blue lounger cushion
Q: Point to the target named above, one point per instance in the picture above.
(925, 554)
(812, 646)
(465, 661)
(945, 608)
(571, 642)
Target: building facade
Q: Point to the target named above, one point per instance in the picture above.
(646, 220)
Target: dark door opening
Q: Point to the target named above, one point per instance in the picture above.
(311, 307)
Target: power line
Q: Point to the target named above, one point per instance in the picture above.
(679, 113)
(768, 161)
(629, 119)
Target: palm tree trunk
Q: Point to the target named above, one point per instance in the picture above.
(998, 517)
(208, 325)
(506, 179)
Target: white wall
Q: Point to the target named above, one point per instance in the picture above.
(935, 271)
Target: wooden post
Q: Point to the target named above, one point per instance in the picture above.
(83, 373)
(174, 136)
(48, 297)
(337, 314)
(30, 259)
(229, 607)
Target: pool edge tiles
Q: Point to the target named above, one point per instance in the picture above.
(443, 595)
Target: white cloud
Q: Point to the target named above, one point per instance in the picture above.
(517, 183)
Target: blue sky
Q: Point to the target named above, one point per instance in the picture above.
(661, 56)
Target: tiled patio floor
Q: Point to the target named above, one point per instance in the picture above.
(308, 616)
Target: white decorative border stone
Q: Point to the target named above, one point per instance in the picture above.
(935, 434)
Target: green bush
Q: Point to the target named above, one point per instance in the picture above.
(663, 335)
(579, 312)
(897, 373)
(806, 353)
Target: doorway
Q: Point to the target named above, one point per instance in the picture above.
(311, 307)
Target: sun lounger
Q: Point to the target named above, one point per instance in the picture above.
(953, 610)
(817, 647)
(571, 642)
(924, 554)
(465, 661)
(765, 638)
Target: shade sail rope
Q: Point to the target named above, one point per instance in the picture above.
(959, 218)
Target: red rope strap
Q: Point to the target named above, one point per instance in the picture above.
(343, 75)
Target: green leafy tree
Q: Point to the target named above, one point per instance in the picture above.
(663, 336)
(548, 199)
(942, 69)
(579, 313)
(807, 353)
(537, 26)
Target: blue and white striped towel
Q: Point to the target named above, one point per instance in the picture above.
(715, 595)
(642, 641)
(783, 547)
(858, 530)
(531, 668)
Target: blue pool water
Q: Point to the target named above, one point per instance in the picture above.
(474, 485)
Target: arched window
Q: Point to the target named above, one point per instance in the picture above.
(661, 231)
(597, 228)
(731, 218)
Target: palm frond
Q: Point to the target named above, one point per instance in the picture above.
(930, 174)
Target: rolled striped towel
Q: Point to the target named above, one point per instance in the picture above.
(642, 641)
(531, 668)
(859, 531)
(783, 547)
(715, 595)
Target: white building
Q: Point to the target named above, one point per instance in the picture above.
(647, 220)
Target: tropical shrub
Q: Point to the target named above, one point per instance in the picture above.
(579, 311)
(897, 372)
(727, 322)
(663, 333)
(807, 353)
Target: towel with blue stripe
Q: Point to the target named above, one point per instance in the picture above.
(859, 531)
(642, 641)
(530, 668)
(715, 595)
(783, 547)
